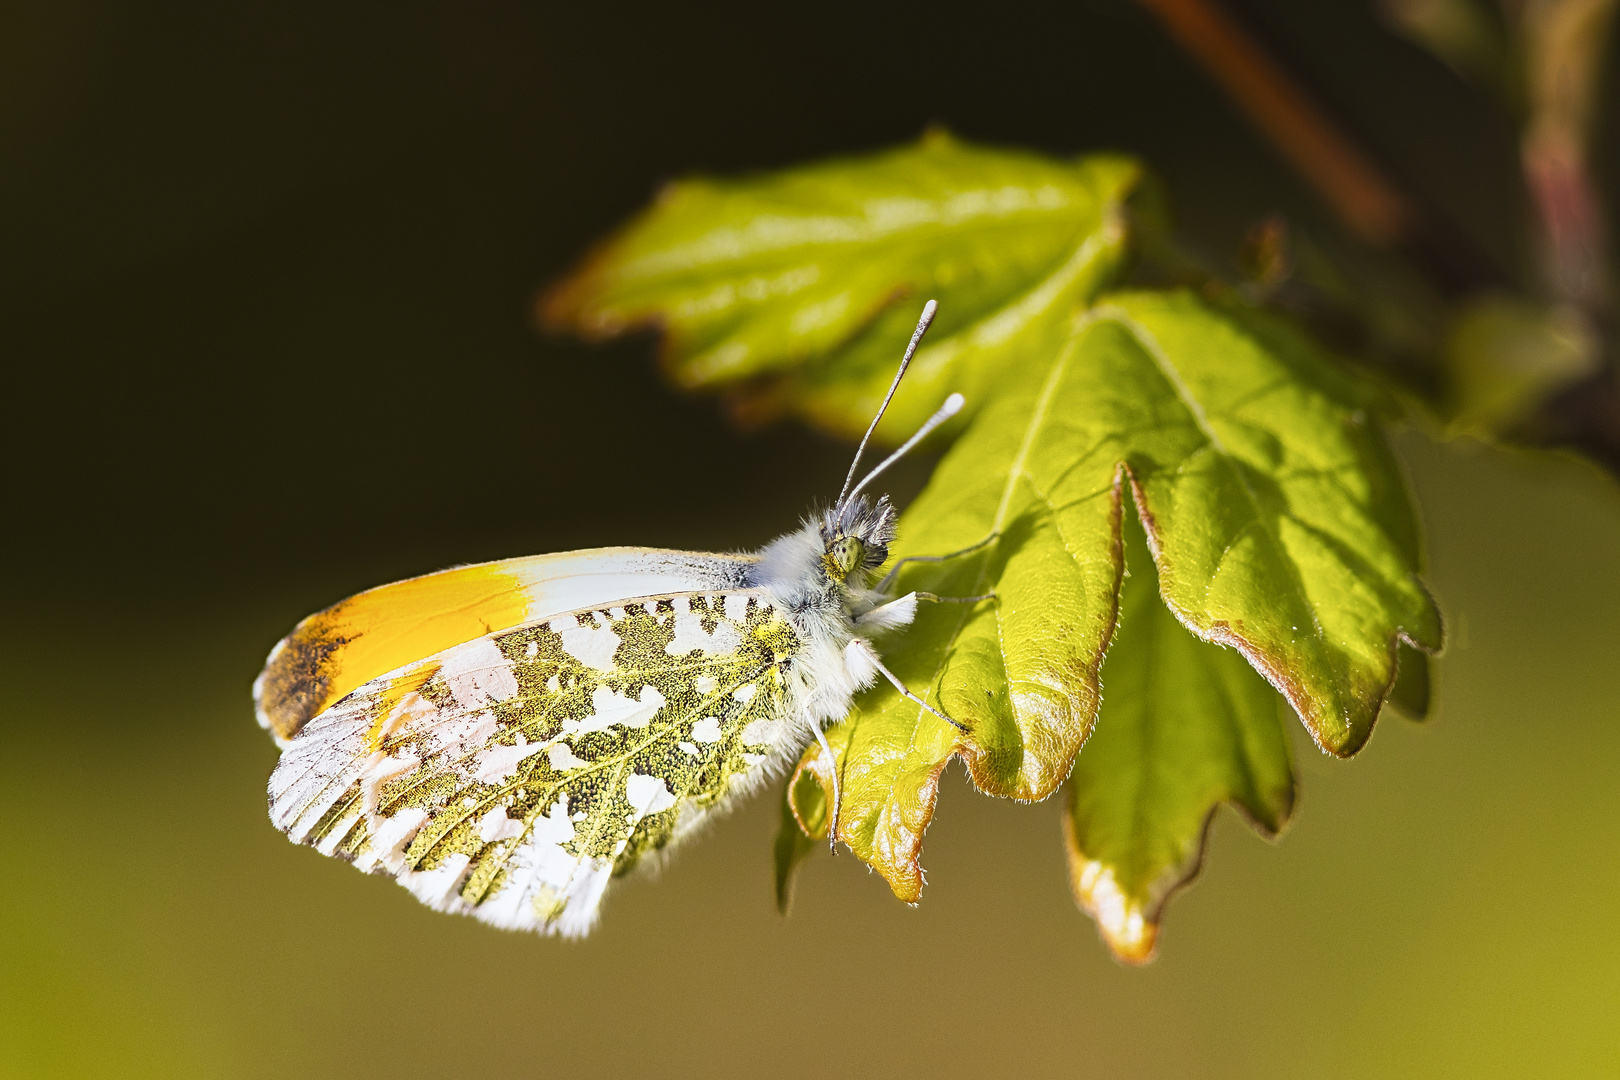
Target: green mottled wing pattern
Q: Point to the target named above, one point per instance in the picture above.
(513, 776)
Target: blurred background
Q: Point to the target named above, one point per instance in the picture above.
(266, 276)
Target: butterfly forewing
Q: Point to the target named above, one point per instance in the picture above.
(512, 776)
(335, 651)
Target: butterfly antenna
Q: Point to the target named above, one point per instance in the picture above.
(905, 362)
(952, 406)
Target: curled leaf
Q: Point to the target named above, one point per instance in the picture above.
(1274, 511)
(1184, 727)
(1276, 518)
(803, 824)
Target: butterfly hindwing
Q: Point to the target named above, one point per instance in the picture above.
(513, 775)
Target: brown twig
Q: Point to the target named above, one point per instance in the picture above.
(1370, 205)
(1585, 415)
(1365, 201)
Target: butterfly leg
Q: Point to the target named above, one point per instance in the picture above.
(832, 762)
(894, 571)
(902, 609)
(872, 658)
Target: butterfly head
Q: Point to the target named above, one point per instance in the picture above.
(855, 538)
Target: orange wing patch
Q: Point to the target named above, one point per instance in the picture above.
(334, 651)
(380, 630)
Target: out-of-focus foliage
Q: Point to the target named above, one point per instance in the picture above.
(790, 290)
(1504, 356)
(1277, 520)
(1508, 357)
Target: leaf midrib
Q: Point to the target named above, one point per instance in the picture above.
(699, 258)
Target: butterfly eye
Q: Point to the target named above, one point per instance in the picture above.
(844, 555)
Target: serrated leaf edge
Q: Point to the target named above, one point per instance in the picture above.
(1291, 689)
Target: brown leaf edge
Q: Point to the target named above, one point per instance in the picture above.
(898, 859)
(1286, 683)
(1131, 932)
(899, 862)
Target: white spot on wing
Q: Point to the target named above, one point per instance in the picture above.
(648, 794)
(705, 684)
(555, 826)
(688, 748)
(467, 732)
(706, 730)
(388, 843)
(585, 891)
(377, 771)
(745, 693)
(500, 763)
(737, 607)
(438, 888)
(592, 646)
(690, 635)
(412, 706)
(336, 836)
(495, 826)
(613, 708)
(478, 674)
(563, 757)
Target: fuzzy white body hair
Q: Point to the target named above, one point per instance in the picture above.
(830, 617)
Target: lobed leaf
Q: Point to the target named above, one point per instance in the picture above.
(790, 282)
(1275, 515)
(1184, 727)
(1274, 511)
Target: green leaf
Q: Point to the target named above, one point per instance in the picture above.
(1277, 520)
(792, 281)
(1276, 517)
(1184, 726)
(803, 824)
(1504, 357)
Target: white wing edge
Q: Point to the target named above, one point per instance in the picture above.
(567, 581)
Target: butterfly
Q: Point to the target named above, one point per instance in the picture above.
(505, 739)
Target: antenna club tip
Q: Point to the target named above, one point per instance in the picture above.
(953, 405)
(929, 309)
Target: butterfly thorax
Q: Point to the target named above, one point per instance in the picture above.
(821, 575)
(827, 565)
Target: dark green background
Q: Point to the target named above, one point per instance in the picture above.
(265, 276)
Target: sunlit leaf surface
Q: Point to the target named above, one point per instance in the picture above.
(1274, 511)
(1184, 726)
(1278, 524)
